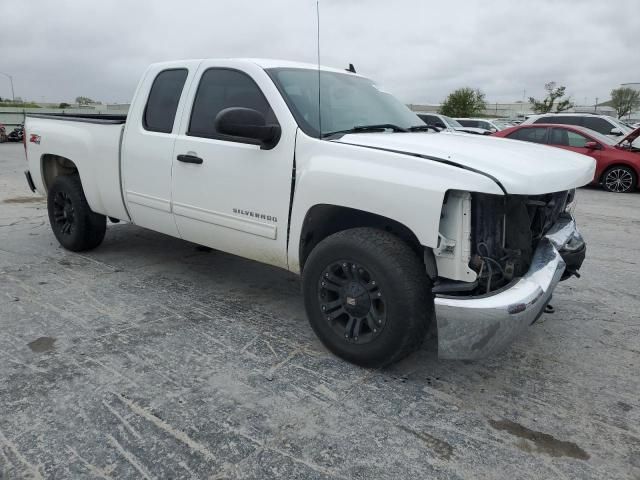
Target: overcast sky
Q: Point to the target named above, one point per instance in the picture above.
(419, 50)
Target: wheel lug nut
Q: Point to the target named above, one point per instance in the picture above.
(379, 294)
(375, 330)
(373, 282)
(324, 308)
(344, 264)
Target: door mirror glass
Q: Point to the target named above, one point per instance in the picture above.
(592, 145)
(247, 123)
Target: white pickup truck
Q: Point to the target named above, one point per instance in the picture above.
(391, 226)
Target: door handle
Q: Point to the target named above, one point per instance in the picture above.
(189, 159)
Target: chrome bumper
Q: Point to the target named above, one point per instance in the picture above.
(475, 327)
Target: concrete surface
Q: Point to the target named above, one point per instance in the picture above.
(148, 358)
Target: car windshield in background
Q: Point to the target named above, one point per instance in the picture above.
(451, 122)
(348, 101)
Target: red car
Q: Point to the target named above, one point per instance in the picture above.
(617, 161)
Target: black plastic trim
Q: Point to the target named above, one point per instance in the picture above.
(83, 118)
(32, 187)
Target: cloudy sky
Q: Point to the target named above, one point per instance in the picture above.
(417, 49)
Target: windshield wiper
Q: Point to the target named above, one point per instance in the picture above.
(424, 128)
(368, 128)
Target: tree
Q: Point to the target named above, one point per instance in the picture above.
(84, 101)
(64, 105)
(553, 93)
(625, 100)
(464, 102)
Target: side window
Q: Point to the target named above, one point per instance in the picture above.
(577, 140)
(535, 135)
(600, 125)
(560, 120)
(223, 88)
(160, 111)
(567, 138)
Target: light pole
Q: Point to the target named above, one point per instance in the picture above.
(13, 95)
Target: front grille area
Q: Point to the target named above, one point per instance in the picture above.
(505, 231)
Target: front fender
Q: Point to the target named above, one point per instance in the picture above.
(407, 189)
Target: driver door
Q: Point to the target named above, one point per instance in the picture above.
(228, 192)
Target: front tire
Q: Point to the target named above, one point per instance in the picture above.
(367, 296)
(619, 179)
(76, 227)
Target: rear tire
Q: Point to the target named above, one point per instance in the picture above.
(75, 226)
(619, 179)
(367, 296)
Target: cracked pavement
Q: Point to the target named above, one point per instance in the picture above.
(149, 358)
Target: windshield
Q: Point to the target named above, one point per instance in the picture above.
(620, 125)
(451, 122)
(347, 101)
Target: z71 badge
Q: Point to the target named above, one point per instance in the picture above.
(34, 138)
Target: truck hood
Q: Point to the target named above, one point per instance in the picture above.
(520, 168)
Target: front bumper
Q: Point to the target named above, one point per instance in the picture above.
(475, 327)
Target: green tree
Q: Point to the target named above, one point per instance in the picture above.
(64, 105)
(625, 100)
(553, 93)
(464, 102)
(84, 101)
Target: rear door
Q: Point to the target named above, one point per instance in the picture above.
(236, 198)
(147, 148)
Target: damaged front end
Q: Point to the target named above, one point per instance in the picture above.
(506, 231)
(519, 247)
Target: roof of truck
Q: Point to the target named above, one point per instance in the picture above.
(265, 63)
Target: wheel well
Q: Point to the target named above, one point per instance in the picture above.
(324, 220)
(620, 164)
(55, 165)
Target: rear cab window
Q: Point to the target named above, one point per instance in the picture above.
(162, 103)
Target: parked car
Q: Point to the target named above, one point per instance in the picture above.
(389, 225)
(603, 124)
(492, 125)
(617, 161)
(449, 124)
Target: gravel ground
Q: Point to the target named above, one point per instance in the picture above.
(148, 358)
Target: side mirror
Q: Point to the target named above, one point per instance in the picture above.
(592, 145)
(247, 123)
(616, 131)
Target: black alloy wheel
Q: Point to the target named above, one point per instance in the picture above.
(367, 296)
(63, 213)
(352, 302)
